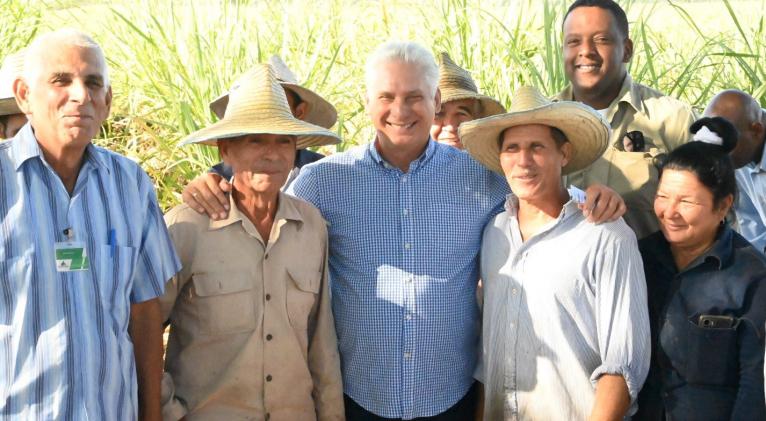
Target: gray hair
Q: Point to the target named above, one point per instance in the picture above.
(407, 52)
(36, 51)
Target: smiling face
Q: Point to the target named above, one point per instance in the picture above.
(688, 216)
(449, 118)
(532, 162)
(595, 53)
(401, 104)
(68, 99)
(261, 163)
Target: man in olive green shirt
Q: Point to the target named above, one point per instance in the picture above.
(644, 122)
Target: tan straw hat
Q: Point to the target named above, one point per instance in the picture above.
(584, 127)
(13, 66)
(455, 83)
(258, 105)
(319, 111)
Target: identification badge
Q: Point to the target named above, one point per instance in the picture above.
(71, 256)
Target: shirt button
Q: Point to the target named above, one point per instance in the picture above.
(407, 246)
(268, 378)
(513, 324)
(265, 257)
(404, 179)
(514, 291)
(407, 316)
(405, 212)
(407, 355)
(268, 297)
(268, 337)
(408, 280)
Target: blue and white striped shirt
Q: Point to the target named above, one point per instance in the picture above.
(65, 352)
(404, 267)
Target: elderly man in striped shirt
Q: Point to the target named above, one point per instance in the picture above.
(84, 254)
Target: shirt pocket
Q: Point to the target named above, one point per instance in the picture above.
(115, 268)
(713, 356)
(302, 294)
(224, 302)
(634, 176)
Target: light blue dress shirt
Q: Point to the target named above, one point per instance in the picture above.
(751, 203)
(65, 352)
(404, 269)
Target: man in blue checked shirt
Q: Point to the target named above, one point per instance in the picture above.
(84, 252)
(405, 218)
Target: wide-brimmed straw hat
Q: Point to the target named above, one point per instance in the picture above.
(13, 66)
(318, 110)
(583, 126)
(456, 83)
(258, 105)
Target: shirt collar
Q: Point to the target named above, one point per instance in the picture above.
(512, 207)
(720, 253)
(422, 159)
(286, 210)
(629, 94)
(761, 166)
(26, 147)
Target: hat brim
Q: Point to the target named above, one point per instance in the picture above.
(308, 135)
(489, 105)
(587, 132)
(320, 112)
(8, 106)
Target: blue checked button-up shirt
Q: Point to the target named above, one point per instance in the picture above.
(404, 267)
(65, 352)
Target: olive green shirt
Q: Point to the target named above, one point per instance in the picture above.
(251, 329)
(664, 122)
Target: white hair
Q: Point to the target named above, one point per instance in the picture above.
(50, 41)
(407, 52)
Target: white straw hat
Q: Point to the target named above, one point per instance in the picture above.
(586, 130)
(319, 111)
(13, 66)
(456, 83)
(258, 105)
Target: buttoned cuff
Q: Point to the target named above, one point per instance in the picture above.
(633, 386)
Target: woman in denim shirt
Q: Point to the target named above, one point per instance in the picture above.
(707, 291)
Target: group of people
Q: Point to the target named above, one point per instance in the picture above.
(597, 255)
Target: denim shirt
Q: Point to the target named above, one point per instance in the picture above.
(703, 373)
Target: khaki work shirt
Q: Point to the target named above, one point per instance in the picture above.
(252, 335)
(664, 122)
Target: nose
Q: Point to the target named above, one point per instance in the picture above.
(587, 48)
(399, 108)
(79, 92)
(524, 158)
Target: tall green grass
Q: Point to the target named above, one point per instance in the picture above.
(168, 59)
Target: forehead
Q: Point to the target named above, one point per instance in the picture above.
(398, 76)
(527, 133)
(70, 59)
(468, 104)
(683, 182)
(262, 137)
(589, 19)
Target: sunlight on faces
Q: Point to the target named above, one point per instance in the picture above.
(260, 162)
(400, 103)
(595, 52)
(68, 99)
(532, 161)
(686, 210)
(449, 118)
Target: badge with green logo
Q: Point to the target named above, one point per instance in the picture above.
(71, 256)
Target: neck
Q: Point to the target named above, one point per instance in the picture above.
(683, 255)
(401, 156)
(66, 162)
(534, 214)
(259, 207)
(602, 99)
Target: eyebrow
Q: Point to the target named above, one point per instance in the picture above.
(466, 109)
(89, 78)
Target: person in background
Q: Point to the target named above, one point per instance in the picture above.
(11, 117)
(707, 290)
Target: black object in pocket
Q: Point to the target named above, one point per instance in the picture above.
(713, 358)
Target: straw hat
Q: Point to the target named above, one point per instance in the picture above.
(319, 111)
(455, 83)
(258, 105)
(13, 66)
(587, 131)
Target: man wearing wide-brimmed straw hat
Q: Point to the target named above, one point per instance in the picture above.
(305, 104)
(11, 117)
(252, 334)
(565, 312)
(461, 102)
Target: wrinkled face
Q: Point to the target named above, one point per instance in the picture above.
(259, 162)
(69, 99)
(532, 161)
(595, 52)
(447, 121)
(750, 135)
(13, 123)
(685, 209)
(400, 104)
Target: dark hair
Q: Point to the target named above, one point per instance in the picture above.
(610, 5)
(297, 100)
(558, 137)
(709, 162)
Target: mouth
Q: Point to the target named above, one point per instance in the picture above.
(524, 177)
(588, 68)
(401, 126)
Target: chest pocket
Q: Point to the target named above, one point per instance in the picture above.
(115, 271)
(224, 302)
(302, 295)
(713, 356)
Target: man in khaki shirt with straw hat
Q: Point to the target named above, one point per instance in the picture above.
(461, 102)
(252, 334)
(11, 117)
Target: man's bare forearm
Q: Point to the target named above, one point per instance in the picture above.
(612, 399)
(146, 332)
